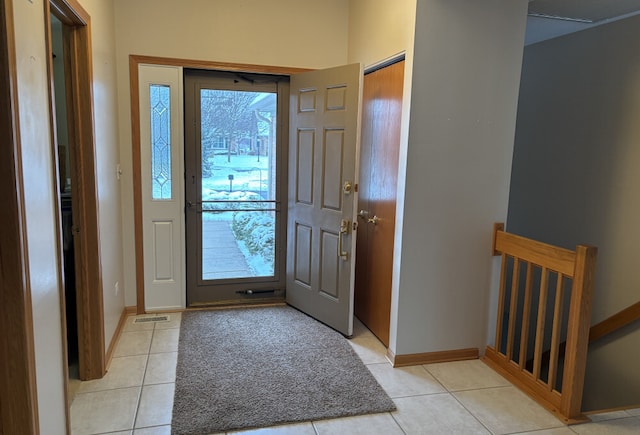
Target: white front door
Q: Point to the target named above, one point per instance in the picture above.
(323, 172)
(161, 153)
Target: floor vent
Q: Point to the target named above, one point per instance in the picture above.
(151, 319)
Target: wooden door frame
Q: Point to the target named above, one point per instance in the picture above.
(134, 61)
(79, 93)
(18, 414)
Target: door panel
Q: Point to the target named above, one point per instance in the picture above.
(382, 110)
(325, 108)
(163, 250)
(162, 189)
(303, 256)
(329, 266)
(332, 170)
(305, 151)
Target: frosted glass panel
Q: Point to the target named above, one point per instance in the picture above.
(160, 101)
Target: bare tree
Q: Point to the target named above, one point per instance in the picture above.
(226, 114)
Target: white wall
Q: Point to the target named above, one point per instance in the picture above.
(40, 194)
(456, 155)
(379, 29)
(107, 157)
(295, 33)
(466, 72)
(40, 212)
(575, 179)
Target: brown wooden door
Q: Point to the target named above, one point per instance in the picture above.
(381, 116)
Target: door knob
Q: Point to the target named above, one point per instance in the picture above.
(364, 214)
(374, 220)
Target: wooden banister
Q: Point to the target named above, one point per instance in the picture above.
(597, 331)
(615, 322)
(544, 255)
(544, 320)
(575, 361)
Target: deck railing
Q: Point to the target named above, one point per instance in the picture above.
(540, 286)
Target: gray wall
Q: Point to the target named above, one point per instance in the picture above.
(575, 178)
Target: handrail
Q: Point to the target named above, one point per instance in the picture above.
(599, 330)
(615, 322)
(560, 388)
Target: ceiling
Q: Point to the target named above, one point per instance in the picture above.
(552, 18)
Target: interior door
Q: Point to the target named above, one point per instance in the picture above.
(381, 117)
(323, 172)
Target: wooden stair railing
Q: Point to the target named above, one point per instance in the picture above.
(599, 330)
(559, 388)
(615, 322)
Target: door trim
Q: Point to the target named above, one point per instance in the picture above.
(134, 61)
(385, 62)
(58, 209)
(17, 348)
(79, 85)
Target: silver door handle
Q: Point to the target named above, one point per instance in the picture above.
(364, 214)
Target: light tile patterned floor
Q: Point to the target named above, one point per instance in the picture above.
(466, 397)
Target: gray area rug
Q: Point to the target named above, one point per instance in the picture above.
(258, 367)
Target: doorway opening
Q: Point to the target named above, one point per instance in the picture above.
(65, 194)
(76, 162)
(235, 154)
(323, 177)
(140, 67)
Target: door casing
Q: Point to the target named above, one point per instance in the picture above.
(19, 414)
(79, 85)
(134, 61)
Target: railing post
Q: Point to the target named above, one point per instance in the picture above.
(578, 331)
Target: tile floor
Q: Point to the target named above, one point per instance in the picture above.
(466, 397)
